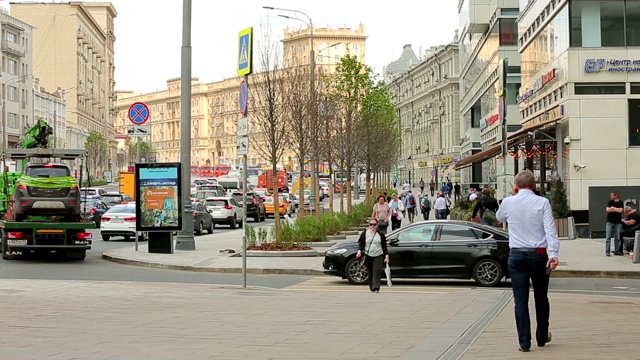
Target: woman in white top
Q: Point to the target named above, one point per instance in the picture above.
(373, 244)
(381, 212)
(397, 207)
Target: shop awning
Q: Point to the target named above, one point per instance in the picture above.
(496, 147)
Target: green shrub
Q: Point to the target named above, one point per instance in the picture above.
(462, 209)
(251, 237)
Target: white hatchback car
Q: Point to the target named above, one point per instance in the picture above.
(224, 210)
(120, 220)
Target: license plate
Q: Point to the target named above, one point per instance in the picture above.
(16, 242)
(117, 220)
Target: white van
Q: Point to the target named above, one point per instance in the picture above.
(230, 184)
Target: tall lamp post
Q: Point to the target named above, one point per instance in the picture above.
(314, 122)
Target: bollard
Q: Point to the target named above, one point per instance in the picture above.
(636, 248)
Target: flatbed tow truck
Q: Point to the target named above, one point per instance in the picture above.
(41, 234)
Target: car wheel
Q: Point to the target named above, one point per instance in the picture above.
(200, 228)
(263, 217)
(210, 231)
(127, 237)
(233, 222)
(240, 224)
(487, 272)
(105, 237)
(356, 274)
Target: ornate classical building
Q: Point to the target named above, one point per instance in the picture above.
(427, 101)
(81, 33)
(214, 106)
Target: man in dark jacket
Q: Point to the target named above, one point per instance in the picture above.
(488, 206)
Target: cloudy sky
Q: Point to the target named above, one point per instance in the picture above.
(148, 32)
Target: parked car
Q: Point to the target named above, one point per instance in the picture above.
(120, 220)
(48, 190)
(93, 209)
(255, 205)
(432, 249)
(112, 199)
(224, 210)
(202, 219)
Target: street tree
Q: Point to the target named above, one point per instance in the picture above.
(269, 126)
(296, 97)
(378, 128)
(96, 146)
(347, 88)
(146, 150)
(328, 135)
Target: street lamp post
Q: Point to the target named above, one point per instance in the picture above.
(314, 123)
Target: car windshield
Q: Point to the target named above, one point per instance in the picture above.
(122, 209)
(215, 203)
(268, 199)
(89, 204)
(48, 171)
(113, 199)
(252, 172)
(89, 192)
(238, 197)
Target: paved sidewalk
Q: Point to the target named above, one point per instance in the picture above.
(578, 258)
(135, 320)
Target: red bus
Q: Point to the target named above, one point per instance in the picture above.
(221, 170)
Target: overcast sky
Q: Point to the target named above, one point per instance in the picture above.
(148, 33)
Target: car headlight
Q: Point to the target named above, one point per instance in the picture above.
(336, 251)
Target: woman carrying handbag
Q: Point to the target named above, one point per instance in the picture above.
(373, 244)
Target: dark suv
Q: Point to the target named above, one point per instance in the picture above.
(255, 206)
(46, 190)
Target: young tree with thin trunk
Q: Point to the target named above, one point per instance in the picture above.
(96, 146)
(328, 135)
(297, 105)
(350, 82)
(268, 135)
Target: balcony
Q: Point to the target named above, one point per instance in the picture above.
(12, 48)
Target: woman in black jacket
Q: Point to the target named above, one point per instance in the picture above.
(373, 245)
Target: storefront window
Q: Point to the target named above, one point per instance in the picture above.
(632, 15)
(597, 23)
(508, 32)
(634, 122)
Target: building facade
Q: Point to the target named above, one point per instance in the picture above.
(427, 102)
(51, 107)
(581, 87)
(214, 106)
(488, 33)
(16, 76)
(83, 34)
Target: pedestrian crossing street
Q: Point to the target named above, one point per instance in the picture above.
(335, 284)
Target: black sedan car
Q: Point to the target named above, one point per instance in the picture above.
(432, 249)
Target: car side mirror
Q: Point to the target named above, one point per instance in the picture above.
(393, 242)
(210, 211)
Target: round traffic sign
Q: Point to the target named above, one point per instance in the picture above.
(244, 97)
(138, 113)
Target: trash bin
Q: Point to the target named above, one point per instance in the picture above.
(160, 242)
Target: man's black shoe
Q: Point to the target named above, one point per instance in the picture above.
(548, 340)
(523, 350)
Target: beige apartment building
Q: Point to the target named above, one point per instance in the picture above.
(15, 76)
(214, 106)
(82, 34)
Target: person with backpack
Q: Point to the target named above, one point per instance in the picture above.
(488, 206)
(410, 205)
(425, 207)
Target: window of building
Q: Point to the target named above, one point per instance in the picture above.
(632, 23)
(597, 23)
(337, 58)
(13, 120)
(13, 93)
(600, 89)
(635, 88)
(354, 47)
(9, 36)
(510, 11)
(508, 32)
(13, 67)
(634, 122)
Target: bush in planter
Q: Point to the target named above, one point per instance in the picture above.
(309, 229)
(559, 201)
(462, 209)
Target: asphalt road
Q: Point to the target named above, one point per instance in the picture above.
(94, 268)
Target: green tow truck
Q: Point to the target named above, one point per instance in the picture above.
(40, 205)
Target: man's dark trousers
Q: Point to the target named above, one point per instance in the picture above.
(522, 267)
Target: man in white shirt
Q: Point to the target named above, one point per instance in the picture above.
(532, 234)
(406, 187)
(441, 206)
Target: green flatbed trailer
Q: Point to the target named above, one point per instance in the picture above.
(71, 240)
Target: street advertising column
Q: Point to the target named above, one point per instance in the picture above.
(158, 197)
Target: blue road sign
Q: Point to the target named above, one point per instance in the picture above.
(244, 97)
(245, 49)
(138, 113)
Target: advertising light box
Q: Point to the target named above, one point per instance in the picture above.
(158, 197)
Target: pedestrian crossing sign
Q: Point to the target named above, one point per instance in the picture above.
(245, 51)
